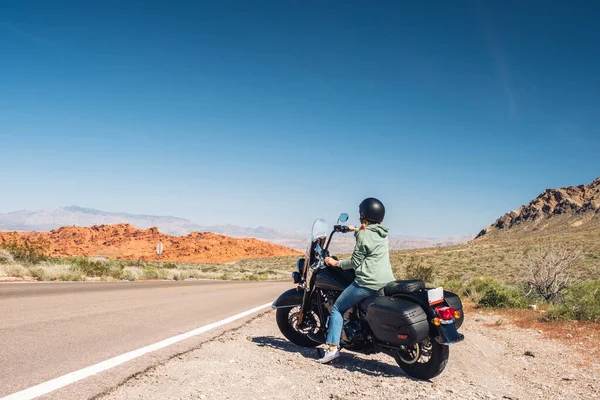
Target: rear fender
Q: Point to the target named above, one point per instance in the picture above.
(289, 298)
(448, 334)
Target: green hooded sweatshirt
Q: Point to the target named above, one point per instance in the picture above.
(371, 258)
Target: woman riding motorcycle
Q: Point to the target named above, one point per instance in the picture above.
(371, 262)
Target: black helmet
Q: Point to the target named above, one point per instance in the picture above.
(372, 210)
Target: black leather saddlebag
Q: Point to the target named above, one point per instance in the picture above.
(397, 322)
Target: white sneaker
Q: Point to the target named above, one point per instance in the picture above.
(329, 356)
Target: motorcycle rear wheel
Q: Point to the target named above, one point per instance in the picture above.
(430, 359)
(287, 321)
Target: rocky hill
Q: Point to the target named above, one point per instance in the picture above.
(46, 220)
(123, 241)
(553, 211)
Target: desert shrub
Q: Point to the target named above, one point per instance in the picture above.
(39, 273)
(194, 273)
(416, 270)
(163, 273)
(92, 266)
(6, 257)
(73, 274)
(128, 276)
(178, 277)
(169, 266)
(259, 276)
(225, 276)
(115, 270)
(502, 297)
(16, 270)
(27, 251)
(211, 268)
(581, 302)
(452, 285)
(150, 272)
(489, 292)
(549, 272)
(130, 273)
(478, 286)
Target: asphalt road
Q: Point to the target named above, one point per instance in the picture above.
(50, 329)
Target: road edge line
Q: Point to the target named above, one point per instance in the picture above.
(75, 376)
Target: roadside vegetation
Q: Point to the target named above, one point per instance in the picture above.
(27, 260)
(557, 277)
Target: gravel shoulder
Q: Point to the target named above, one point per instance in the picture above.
(256, 362)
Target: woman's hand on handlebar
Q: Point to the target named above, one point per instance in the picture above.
(351, 228)
(332, 262)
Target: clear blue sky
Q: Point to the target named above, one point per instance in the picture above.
(276, 112)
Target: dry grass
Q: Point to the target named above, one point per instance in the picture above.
(504, 257)
(94, 268)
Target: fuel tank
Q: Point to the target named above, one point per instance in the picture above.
(333, 279)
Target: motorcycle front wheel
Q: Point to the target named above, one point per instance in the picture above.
(287, 321)
(424, 360)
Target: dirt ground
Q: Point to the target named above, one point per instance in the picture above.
(256, 362)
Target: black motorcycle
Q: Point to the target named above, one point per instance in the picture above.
(405, 320)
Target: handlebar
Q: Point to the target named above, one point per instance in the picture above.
(341, 228)
(337, 228)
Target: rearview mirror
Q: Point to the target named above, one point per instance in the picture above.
(343, 217)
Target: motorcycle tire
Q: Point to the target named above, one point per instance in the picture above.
(431, 368)
(283, 322)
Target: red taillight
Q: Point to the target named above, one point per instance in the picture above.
(445, 313)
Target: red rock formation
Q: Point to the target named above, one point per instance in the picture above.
(123, 241)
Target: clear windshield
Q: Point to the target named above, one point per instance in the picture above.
(319, 229)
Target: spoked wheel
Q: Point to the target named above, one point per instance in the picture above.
(424, 360)
(287, 321)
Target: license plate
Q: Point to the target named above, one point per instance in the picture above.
(435, 296)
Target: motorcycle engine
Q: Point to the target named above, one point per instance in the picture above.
(352, 330)
(328, 297)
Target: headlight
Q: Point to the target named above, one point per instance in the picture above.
(300, 265)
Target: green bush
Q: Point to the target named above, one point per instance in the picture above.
(128, 275)
(6, 257)
(92, 267)
(27, 251)
(116, 270)
(15, 270)
(416, 270)
(452, 285)
(150, 272)
(163, 273)
(225, 276)
(39, 273)
(178, 277)
(259, 276)
(580, 303)
(73, 274)
(503, 297)
(478, 286)
(489, 292)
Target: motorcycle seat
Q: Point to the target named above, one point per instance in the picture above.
(403, 287)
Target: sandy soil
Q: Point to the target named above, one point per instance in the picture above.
(256, 362)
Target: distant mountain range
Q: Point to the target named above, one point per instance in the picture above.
(46, 220)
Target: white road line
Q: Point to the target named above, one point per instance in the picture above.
(62, 381)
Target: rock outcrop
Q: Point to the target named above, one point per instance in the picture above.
(575, 200)
(124, 241)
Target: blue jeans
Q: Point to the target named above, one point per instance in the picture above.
(349, 298)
